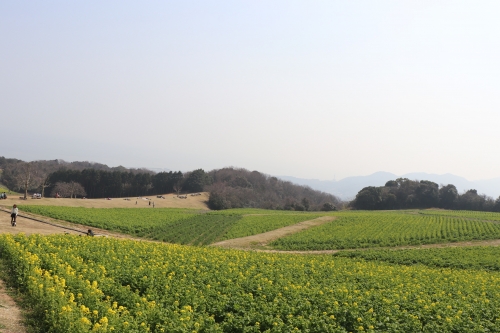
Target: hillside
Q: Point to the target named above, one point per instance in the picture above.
(238, 188)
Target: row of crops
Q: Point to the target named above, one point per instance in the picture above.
(256, 224)
(126, 220)
(489, 216)
(172, 225)
(82, 284)
(201, 229)
(375, 229)
(476, 257)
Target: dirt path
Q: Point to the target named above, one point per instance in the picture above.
(263, 239)
(10, 314)
(29, 226)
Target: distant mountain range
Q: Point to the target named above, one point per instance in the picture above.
(347, 188)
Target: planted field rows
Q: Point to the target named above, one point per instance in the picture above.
(490, 216)
(176, 225)
(256, 224)
(79, 284)
(375, 229)
(476, 257)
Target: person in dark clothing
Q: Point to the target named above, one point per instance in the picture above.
(13, 215)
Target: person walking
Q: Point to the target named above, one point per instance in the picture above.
(13, 215)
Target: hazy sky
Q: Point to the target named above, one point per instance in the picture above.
(312, 89)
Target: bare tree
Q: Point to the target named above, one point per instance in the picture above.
(178, 187)
(71, 189)
(25, 175)
(44, 182)
(76, 189)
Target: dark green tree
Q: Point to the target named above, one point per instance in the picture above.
(427, 194)
(196, 181)
(448, 196)
(368, 198)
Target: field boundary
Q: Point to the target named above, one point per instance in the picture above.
(491, 242)
(262, 239)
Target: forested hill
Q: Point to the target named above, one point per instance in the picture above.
(54, 165)
(404, 193)
(235, 188)
(228, 187)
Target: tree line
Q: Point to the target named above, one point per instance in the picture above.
(404, 193)
(228, 187)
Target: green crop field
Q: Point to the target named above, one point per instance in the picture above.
(255, 224)
(201, 229)
(487, 216)
(374, 229)
(81, 284)
(351, 229)
(127, 220)
(475, 257)
(176, 225)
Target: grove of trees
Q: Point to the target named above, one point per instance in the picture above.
(404, 193)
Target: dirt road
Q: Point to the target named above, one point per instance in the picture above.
(30, 227)
(263, 239)
(10, 314)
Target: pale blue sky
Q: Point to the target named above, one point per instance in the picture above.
(312, 89)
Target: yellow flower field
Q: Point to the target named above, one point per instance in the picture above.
(84, 284)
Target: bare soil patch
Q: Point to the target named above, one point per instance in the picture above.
(261, 240)
(29, 226)
(170, 201)
(10, 315)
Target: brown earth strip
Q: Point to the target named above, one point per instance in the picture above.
(30, 226)
(10, 314)
(261, 240)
